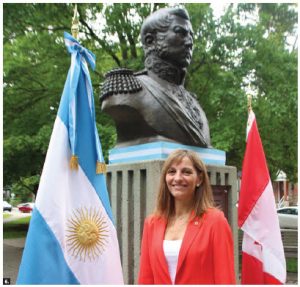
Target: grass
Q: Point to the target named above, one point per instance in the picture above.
(6, 215)
(16, 229)
(292, 265)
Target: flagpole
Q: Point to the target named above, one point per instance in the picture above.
(249, 98)
(100, 164)
(263, 260)
(72, 238)
(75, 24)
(75, 31)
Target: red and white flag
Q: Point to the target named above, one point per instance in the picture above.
(262, 250)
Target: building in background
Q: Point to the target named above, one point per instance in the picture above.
(285, 192)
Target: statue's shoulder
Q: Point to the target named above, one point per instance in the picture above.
(120, 81)
(193, 95)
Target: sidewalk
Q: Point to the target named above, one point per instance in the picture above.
(292, 279)
(15, 215)
(12, 253)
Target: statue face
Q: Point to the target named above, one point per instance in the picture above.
(176, 44)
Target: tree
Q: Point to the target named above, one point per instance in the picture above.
(275, 79)
(229, 50)
(249, 39)
(35, 68)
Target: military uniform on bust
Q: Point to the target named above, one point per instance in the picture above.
(146, 111)
(153, 105)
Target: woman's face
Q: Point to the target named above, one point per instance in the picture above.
(182, 179)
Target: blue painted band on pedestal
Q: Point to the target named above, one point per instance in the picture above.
(161, 150)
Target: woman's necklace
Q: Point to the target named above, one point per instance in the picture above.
(181, 218)
(176, 227)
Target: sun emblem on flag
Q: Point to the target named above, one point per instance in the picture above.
(87, 233)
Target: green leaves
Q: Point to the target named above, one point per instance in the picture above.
(247, 38)
(231, 49)
(24, 188)
(24, 155)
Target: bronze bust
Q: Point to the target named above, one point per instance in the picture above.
(153, 105)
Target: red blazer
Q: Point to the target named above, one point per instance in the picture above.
(206, 254)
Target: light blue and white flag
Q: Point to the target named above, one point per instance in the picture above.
(72, 238)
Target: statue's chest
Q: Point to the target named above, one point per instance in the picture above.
(188, 104)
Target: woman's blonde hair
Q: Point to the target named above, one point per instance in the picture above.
(203, 196)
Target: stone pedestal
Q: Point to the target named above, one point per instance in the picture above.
(132, 189)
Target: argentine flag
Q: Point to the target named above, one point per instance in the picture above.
(72, 238)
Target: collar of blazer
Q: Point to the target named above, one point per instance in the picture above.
(189, 236)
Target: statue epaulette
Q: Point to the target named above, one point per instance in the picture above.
(119, 81)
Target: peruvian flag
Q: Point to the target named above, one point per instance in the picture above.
(262, 250)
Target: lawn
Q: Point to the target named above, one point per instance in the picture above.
(17, 228)
(6, 215)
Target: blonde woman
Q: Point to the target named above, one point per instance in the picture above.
(187, 240)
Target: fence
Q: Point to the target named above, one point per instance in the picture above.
(290, 242)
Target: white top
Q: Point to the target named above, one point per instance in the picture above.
(171, 250)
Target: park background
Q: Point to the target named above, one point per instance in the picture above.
(254, 44)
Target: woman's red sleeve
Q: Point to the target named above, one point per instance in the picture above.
(145, 273)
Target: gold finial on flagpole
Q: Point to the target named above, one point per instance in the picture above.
(75, 23)
(249, 98)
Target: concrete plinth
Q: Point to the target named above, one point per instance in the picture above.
(133, 188)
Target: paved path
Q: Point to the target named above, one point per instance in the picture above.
(12, 253)
(292, 279)
(15, 215)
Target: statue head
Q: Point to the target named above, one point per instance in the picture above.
(168, 34)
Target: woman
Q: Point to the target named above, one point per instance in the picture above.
(186, 240)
